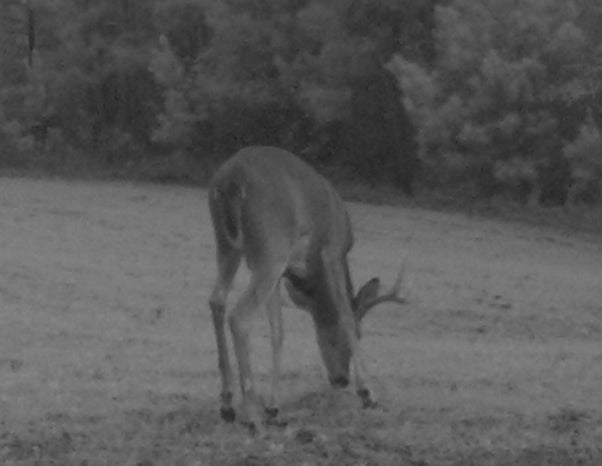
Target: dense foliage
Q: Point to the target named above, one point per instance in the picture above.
(485, 97)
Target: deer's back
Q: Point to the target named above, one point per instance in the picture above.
(278, 199)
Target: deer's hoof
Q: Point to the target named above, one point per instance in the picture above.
(272, 418)
(340, 382)
(271, 413)
(228, 414)
(253, 428)
(368, 400)
(369, 404)
(256, 429)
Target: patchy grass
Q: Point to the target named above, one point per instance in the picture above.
(107, 353)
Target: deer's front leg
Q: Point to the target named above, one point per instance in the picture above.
(359, 372)
(262, 292)
(336, 276)
(362, 389)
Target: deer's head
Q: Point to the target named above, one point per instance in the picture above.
(332, 321)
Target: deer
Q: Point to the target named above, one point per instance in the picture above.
(290, 226)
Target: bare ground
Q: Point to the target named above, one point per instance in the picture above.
(107, 354)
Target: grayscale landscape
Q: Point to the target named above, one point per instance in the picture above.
(107, 352)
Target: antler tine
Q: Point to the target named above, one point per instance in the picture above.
(392, 295)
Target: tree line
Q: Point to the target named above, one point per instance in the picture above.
(478, 97)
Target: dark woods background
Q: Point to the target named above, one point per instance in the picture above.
(484, 98)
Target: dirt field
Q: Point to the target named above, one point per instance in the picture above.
(107, 354)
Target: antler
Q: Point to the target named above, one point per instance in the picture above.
(393, 295)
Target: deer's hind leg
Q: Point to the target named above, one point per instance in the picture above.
(262, 293)
(228, 261)
(276, 338)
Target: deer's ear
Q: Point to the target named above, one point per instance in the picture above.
(368, 292)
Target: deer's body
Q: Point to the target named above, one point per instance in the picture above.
(286, 221)
(300, 205)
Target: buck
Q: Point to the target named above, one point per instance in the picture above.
(290, 225)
